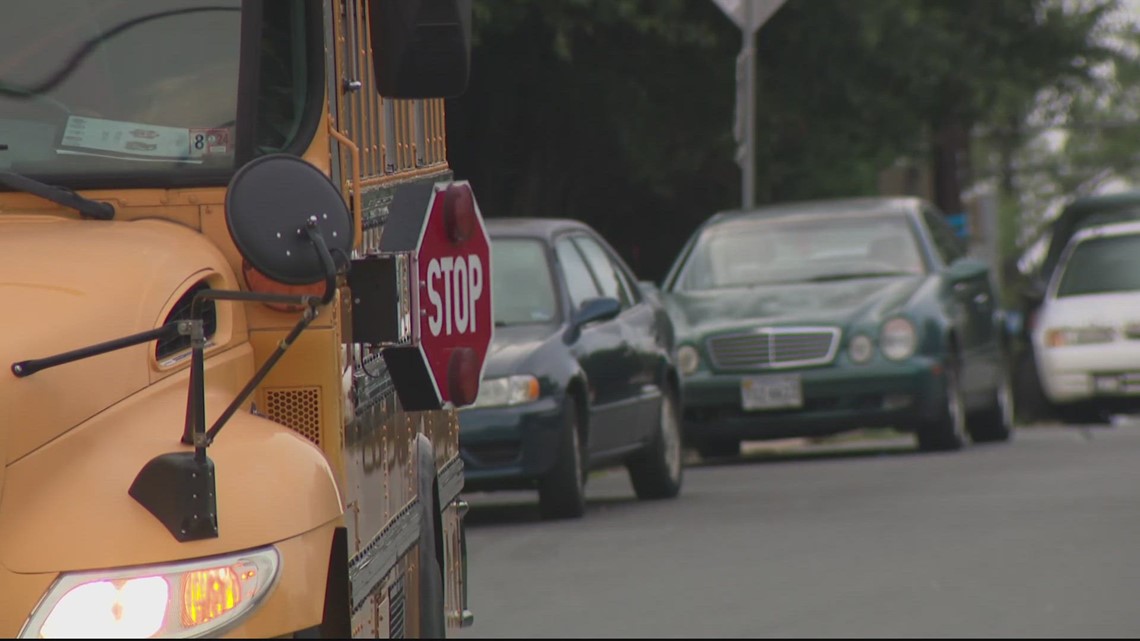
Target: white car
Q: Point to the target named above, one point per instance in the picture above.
(1086, 336)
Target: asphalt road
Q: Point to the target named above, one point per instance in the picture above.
(1035, 538)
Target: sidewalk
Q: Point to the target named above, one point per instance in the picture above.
(777, 445)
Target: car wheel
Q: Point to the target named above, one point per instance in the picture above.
(996, 423)
(947, 431)
(1029, 397)
(562, 492)
(656, 471)
(710, 448)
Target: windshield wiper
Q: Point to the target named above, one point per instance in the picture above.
(58, 195)
(855, 275)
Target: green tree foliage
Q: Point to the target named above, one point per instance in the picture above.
(620, 112)
(1077, 137)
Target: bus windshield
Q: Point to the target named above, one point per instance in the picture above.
(127, 87)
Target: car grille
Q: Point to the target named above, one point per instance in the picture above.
(774, 347)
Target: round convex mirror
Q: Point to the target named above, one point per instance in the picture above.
(269, 201)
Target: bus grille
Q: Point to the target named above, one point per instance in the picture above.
(298, 408)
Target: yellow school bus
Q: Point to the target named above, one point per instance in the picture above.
(208, 423)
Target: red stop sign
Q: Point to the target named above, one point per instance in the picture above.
(453, 263)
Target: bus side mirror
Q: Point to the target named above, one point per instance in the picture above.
(289, 221)
(420, 48)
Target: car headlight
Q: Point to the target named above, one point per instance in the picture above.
(507, 390)
(191, 599)
(688, 359)
(1062, 336)
(898, 339)
(860, 349)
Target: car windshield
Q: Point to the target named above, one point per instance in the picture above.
(98, 87)
(522, 289)
(790, 249)
(1102, 265)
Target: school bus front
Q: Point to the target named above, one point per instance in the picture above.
(194, 443)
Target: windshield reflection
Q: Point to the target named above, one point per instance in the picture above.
(1102, 266)
(89, 86)
(766, 251)
(522, 288)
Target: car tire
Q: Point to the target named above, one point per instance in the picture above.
(995, 424)
(712, 448)
(658, 470)
(1029, 395)
(947, 432)
(562, 491)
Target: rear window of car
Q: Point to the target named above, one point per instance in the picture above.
(1102, 265)
(522, 290)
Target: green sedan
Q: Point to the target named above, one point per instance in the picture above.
(815, 318)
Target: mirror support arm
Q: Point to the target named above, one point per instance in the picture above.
(194, 431)
(26, 368)
(179, 488)
(311, 232)
(306, 318)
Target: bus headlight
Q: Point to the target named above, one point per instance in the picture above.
(191, 599)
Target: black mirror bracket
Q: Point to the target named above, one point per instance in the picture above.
(311, 312)
(194, 430)
(21, 369)
(180, 491)
(313, 234)
(179, 488)
(312, 307)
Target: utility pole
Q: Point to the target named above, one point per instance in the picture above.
(749, 16)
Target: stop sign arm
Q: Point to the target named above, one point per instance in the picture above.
(425, 297)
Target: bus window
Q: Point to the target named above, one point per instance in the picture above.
(283, 90)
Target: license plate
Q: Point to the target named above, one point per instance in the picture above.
(780, 391)
(1127, 383)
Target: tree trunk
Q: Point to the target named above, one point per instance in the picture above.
(1008, 141)
(951, 164)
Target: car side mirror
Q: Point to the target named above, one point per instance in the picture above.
(591, 311)
(965, 269)
(1034, 292)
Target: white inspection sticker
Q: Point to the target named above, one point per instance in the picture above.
(141, 140)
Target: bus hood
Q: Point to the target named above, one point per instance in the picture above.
(68, 284)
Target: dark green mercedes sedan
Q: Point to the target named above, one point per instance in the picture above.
(815, 318)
